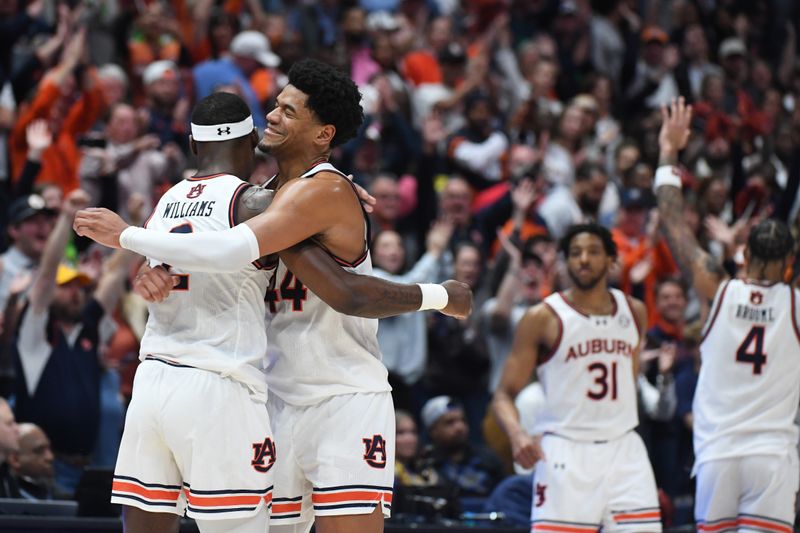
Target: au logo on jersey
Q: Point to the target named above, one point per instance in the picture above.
(196, 191)
(375, 452)
(540, 496)
(756, 298)
(263, 455)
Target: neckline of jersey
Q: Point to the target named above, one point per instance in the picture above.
(613, 300)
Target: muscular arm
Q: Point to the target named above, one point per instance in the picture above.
(519, 367)
(695, 263)
(300, 210)
(348, 293)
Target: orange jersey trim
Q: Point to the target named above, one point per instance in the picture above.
(354, 495)
(149, 494)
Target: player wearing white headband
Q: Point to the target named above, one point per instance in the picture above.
(205, 342)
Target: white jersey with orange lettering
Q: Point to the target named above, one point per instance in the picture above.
(316, 352)
(587, 377)
(225, 310)
(749, 384)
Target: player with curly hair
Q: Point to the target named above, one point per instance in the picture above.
(330, 400)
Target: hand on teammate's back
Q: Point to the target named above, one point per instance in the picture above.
(459, 299)
(154, 284)
(100, 225)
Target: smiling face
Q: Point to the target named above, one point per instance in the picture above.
(587, 261)
(291, 126)
(388, 252)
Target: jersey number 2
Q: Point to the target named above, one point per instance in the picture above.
(752, 349)
(602, 381)
(291, 289)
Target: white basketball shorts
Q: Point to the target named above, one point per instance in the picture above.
(334, 458)
(581, 486)
(752, 493)
(194, 441)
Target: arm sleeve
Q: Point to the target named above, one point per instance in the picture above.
(211, 251)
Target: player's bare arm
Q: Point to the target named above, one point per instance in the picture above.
(705, 272)
(537, 329)
(365, 296)
(323, 207)
(640, 314)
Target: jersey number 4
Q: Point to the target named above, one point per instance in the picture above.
(291, 289)
(752, 349)
(605, 381)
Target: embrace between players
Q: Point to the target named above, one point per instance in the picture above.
(197, 437)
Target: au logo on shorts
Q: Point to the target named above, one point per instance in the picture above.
(375, 447)
(263, 455)
(540, 490)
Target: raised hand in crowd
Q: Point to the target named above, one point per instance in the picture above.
(439, 237)
(38, 137)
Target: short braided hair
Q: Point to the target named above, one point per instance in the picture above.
(770, 240)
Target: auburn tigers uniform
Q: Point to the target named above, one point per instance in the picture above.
(197, 435)
(329, 401)
(745, 438)
(596, 471)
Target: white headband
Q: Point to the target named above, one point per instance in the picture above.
(222, 132)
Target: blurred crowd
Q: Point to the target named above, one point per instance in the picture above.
(490, 127)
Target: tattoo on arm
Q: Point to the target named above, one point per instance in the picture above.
(387, 298)
(691, 258)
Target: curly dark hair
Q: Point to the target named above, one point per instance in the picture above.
(609, 245)
(332, 96)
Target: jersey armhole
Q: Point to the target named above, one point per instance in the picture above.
(716, 306)
(557, 344)
(793, 312)
(639, 334)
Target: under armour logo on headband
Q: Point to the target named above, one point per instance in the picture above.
(222, 132)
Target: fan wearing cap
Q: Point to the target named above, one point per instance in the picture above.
(653, 83)
(165, 108)
(251, 67)
(643, 253)
(29, 224)
(474, 470)
(60, 336)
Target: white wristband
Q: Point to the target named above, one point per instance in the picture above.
(667, 175)
(434, 296)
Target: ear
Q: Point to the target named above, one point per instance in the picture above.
(13, 460)
(325, 135)
(192, 145)
(746, 256)
(254, 138)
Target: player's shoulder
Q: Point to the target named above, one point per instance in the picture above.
(541, 314)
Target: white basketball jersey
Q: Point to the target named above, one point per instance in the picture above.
(209, 321)
(316, 352)
(589, 387)
(749, 384)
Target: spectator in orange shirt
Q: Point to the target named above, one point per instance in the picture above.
(643, 253)
(68, 117)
